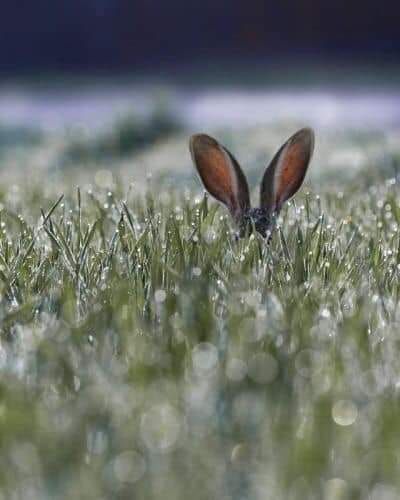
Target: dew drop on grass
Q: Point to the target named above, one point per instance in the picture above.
(236, 369)
(324, 313)
(160, 428)
(335, 489)
(196, 271)
(129, 467)
(252, 298)
(160, 296)
(344, 412)
(209, 236)
(204, 358)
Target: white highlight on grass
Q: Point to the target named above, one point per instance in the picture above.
(241, 455)
(252, 298)
(335, 489)
(129, 466)
(160, 296)
(236, 369)
(196, 271)
(3, 357)
(160, 428)
(383, 491)
(204, 358)
(344, 412)
(274, 308)
(97, 441)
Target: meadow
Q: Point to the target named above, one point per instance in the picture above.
(145, 353)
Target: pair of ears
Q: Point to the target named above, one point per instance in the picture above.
(224, 179)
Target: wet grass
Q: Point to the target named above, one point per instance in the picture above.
(145, 353)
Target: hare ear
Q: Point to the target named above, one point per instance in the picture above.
(286, 172)
(220, 173)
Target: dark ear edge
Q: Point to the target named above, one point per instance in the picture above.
(220, 173)
(287, 170)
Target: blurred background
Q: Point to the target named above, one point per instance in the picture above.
(124, 35)
(111, 78)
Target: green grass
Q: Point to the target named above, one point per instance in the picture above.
(146, 354)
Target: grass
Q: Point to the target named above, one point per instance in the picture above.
(146, 354)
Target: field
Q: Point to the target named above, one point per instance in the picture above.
(147, 354)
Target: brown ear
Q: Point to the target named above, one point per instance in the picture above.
(220, 173)
(286, 172)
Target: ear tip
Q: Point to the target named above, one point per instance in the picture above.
(194, 138)
(200, 144)
(307, 136)
(306, 132)
(197, 140)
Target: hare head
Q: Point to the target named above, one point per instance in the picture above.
(225, 181)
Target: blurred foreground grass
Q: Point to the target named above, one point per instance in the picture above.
(146, 354)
